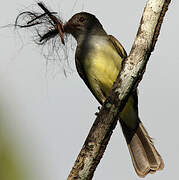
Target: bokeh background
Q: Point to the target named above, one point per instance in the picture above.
(45, 116)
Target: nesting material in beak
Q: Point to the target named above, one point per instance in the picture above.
(56, 22)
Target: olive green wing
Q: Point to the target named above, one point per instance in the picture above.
(119, 48)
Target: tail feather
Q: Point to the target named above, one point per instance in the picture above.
(144, 156)
(154, 158)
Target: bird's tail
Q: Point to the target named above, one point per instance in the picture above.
(144, 156)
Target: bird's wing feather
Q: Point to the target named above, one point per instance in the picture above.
(119, 48)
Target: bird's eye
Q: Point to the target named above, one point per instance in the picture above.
(81, 19)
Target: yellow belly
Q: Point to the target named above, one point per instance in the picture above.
(102, 67)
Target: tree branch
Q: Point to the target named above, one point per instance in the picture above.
(131, 74)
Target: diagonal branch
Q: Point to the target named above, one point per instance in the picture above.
(131, 74)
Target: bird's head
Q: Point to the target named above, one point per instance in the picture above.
(83, 23)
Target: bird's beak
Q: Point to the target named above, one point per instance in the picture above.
(66, 28)
(70, 27)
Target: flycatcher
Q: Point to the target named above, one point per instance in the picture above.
(98, 61)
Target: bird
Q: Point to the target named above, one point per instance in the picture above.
(98, 60)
